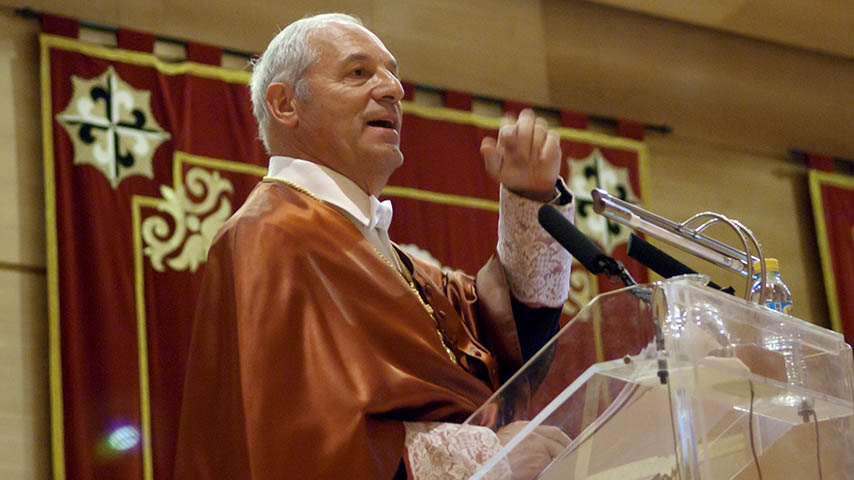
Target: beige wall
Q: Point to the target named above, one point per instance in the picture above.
(24, 438)
(736, 106)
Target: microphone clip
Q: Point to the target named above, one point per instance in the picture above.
(615, 268)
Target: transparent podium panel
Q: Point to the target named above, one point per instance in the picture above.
(675, 380)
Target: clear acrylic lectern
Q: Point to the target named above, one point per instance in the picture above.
(675, 380)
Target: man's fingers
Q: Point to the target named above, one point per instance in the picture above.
(541, 130)
(525, 157)
(546, 437)
(525, 125)
(551, 149)
(488, 143)
(553, 439)
(507, 119)
(491, 157)
(552, 447)
(554, 434)
(525, 138)
(508, 136)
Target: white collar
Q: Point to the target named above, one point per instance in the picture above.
(333, 187)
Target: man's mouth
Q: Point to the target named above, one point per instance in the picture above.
(382, 124)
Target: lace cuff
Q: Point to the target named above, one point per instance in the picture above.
(443, 451)
(537, 267)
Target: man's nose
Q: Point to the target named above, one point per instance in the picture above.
(389, 88)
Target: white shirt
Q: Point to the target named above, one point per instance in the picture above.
(367, 213)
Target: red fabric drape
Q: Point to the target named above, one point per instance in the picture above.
(820, 162)
(128, 39)
(56, 25)
(202, 53)
(408, 91)
(833, 210)
(135, 193)
(442, 157)
(458, 100)
(630, 129)
(576, 120)
(98, 283)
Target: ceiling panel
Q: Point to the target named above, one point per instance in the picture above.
(822, 25)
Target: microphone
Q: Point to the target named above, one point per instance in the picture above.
(660, 262)
(576, 243)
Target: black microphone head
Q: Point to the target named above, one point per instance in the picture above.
(572, 239)
(658, 261)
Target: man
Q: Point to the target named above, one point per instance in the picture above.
(319, 350)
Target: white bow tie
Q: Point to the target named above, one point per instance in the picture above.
(381, 218)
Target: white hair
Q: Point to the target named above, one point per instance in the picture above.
(285, 60)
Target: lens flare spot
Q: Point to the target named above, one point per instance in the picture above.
(123, 438)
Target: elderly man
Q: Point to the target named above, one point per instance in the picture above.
(319, 349)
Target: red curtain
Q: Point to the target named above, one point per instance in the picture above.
(833, 211)
(144, 160)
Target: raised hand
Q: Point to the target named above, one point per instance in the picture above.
(525, 158)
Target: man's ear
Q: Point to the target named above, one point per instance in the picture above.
(281, 104)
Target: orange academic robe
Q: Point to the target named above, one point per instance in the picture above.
(309, 349)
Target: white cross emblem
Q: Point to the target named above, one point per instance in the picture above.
(112, 127)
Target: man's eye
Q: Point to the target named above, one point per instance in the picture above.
(359, 72)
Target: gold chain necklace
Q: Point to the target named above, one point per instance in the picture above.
(407, 276)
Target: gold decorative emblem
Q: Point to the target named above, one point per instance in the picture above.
(194, 223)
(581, 291)
(112, 127)
(596, 171)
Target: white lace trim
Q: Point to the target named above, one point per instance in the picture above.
(450, 451)
(537, 267)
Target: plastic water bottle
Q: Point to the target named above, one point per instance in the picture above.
(777, 294)
(778, 297)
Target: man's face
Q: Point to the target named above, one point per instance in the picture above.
(351, 119)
